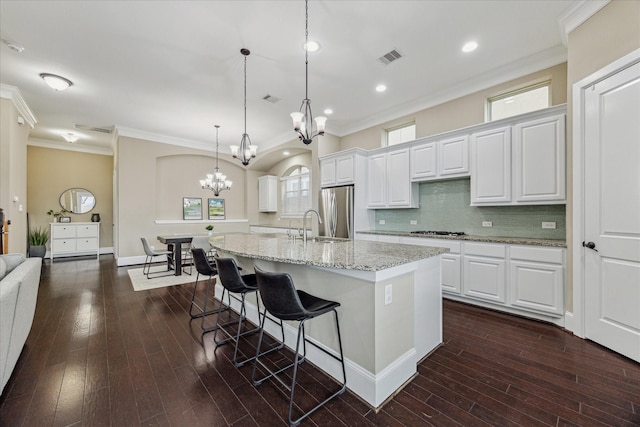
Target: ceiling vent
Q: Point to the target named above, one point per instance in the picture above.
(107, 130)
(271, 99)
(389, 57)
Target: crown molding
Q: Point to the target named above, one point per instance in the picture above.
(576, 15)
(56, 145)
(163, 139)
(13, 94)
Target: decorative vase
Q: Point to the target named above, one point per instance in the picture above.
(37, 251)
(95, 217)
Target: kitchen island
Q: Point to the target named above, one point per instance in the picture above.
(390, 302)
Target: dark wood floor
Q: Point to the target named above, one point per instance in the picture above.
(101, 354)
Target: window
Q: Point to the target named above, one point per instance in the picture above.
(520, 101)
(296, 191)
(401, 134)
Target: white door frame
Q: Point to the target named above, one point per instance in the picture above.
(576, 322)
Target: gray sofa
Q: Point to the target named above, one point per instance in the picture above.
(19, 282)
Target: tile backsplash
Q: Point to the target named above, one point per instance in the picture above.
(444, 205)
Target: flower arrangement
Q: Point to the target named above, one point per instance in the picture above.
(58, 214)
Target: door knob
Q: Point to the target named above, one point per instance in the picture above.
(590, 245)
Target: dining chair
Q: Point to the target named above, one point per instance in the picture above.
(151, 254)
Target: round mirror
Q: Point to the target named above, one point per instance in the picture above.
(78, 200)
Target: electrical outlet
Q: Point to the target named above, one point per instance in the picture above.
(382, 222)
(550, 225)
(388, 294)
(487, 223)
(413, 222)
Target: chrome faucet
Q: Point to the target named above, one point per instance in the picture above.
(289, 231)
(304, 223)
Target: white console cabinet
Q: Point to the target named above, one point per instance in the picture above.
(75, 238)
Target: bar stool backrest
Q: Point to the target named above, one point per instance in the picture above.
(202, 263)
(279, 295)
(230, 275)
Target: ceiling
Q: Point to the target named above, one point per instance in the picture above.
(169, 70)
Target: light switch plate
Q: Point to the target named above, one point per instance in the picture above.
(550, 225)
(388, 294)
(487, 223)
(413, 222)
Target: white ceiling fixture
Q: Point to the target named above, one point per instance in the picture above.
(312, 46)
(245, 151)
(216, 181)
(381, 88)
(303, 120)
(328, 111)
(56, 82)
(470, 46)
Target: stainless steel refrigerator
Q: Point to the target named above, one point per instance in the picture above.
(336, 209)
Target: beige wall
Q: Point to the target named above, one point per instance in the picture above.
(458, 113)
(50, 172)
(13, 175)
(607, 36)
(152, 178)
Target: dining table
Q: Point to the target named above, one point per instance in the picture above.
(174, 243)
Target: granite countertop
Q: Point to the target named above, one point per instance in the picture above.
(343, 254)
(486, 239)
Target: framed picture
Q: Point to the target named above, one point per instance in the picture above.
(191, 208)
(216, 208)
(65, 219)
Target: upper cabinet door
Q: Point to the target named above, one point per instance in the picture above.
(491, 166)
(377, 180)
(327, 172)
(345, 170)
(453, 157)
(423, 162)
(400, 187)
(539, 160)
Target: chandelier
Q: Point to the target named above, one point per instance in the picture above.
(216, 181)
(303, 120)
(245, 151)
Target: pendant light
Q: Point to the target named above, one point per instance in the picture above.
(216, 181)
(303, 121)
(245, 151)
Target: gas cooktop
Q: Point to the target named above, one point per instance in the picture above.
(439, 233)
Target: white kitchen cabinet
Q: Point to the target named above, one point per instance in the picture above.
(520, 164)
(268, 193)
(537, 279)
(444, 159)
(424, 162)
(539, 160)
(377, 181)
(491, 166)
(75, 239)
(453, 157)
(484, 272)
(450, 262)
(389, 185)
(337, 170)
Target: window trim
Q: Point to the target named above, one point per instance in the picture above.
(523, 89)
(287, 176)
(398, 127)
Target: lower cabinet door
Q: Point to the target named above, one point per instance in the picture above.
(63, 245)
(450, 266)
(485, 278)
(90, 244)
(537, 286)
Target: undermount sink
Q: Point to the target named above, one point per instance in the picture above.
(325, 239)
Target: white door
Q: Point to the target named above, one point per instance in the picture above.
(612, 212)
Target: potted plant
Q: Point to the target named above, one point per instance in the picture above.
(57, 215)
(38, 238)
(209, 228)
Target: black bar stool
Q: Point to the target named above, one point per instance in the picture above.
(284, 302)
(203, 267)
(234, 283)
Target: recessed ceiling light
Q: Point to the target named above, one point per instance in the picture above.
(470, 46)
(328, 111)
(56, 82)
(285, 153)
(381, 88)
(311, 46)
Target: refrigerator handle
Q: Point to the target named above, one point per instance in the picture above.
(349, 208)
(333, 222)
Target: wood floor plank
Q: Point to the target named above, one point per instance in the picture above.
(101, 354)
